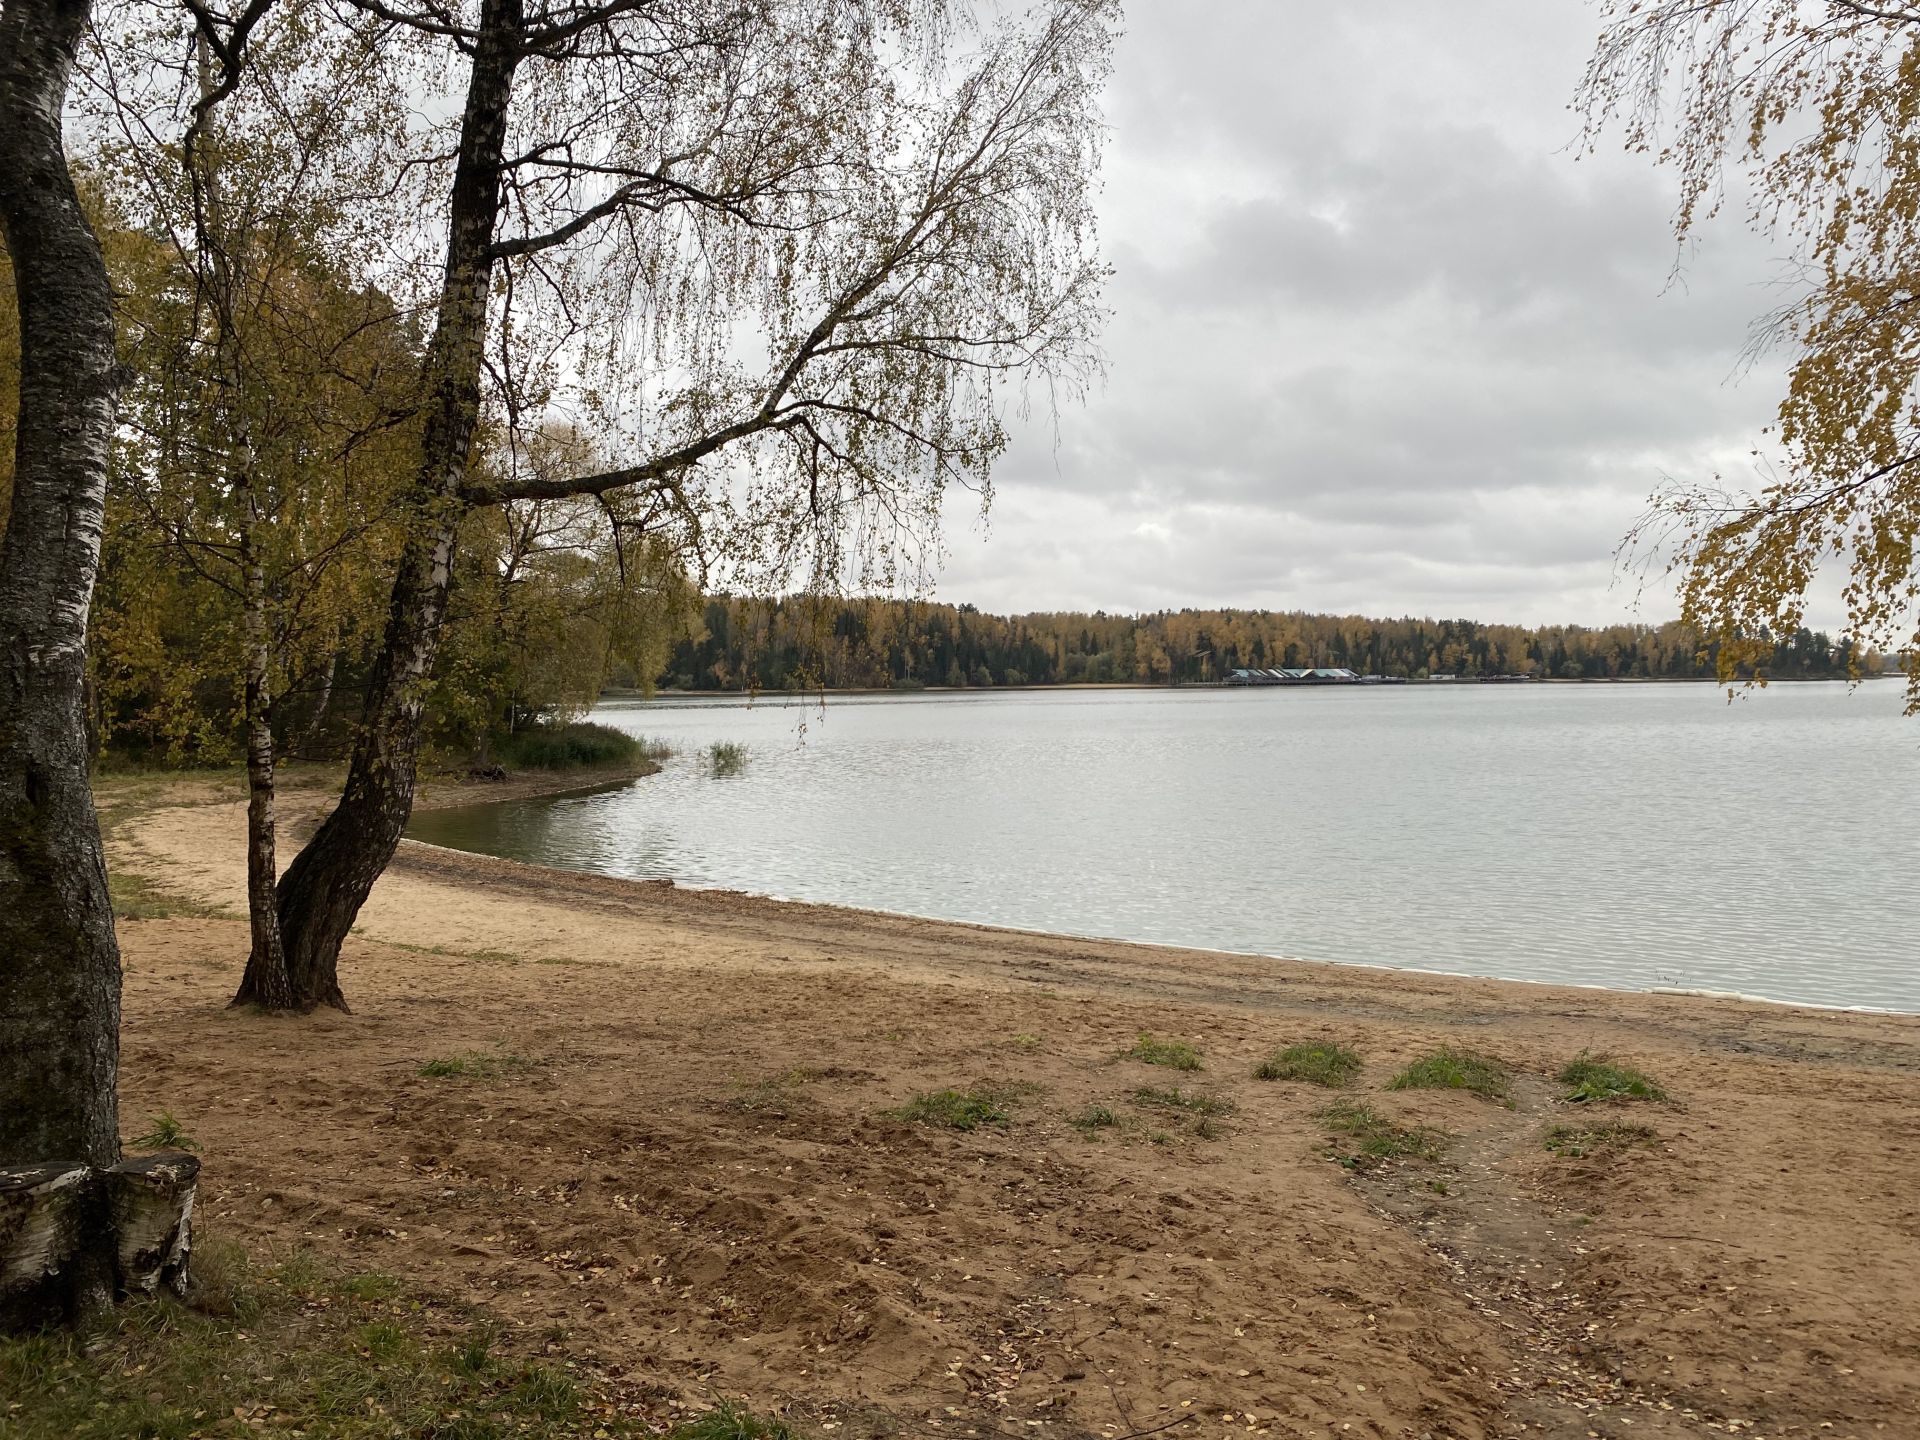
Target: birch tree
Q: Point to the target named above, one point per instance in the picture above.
(789, 267)
(59, 963)
(1814, 107)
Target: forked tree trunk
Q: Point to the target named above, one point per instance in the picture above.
(265, 982)
(59, 965)
(330, 879)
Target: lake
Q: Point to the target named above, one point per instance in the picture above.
(1629, 836)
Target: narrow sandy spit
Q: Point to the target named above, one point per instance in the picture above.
(686, 1162)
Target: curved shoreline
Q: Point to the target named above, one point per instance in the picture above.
(534, 791)
(698, 1161)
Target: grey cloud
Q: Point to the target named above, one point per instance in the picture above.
(1381, 339)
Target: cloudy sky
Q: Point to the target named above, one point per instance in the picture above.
(1382, 339)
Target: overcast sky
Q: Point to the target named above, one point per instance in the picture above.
(1382, 341)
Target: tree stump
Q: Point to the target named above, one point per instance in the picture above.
(44, 1210)
(60, 1222)
(150, 1199)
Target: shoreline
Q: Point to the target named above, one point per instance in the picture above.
(536, 785)
(637, 697)
(691, 1162)
(829, 908)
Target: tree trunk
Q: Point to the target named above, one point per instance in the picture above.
(267, 981)
(59, 964)
(317, 723)
(330, 879)
(51, 1218)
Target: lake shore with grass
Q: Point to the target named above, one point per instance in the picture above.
(874, 1175)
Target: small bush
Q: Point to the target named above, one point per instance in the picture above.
(1595, 1077)
(953, 1110)
(1174, 1054)
(1580, 1142)
(164, 1133)
(1317, 1063)
(1450, 1069)
(578, 746)
(1375, 1138)
(726, 757)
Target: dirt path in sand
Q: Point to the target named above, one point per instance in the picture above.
(682, 1154)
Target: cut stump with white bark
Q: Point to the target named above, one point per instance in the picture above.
(57, 1220)
(43, 1213)
(151, 1203)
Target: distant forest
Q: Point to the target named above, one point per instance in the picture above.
(804, 642)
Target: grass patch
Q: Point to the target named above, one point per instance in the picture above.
(1026, 1041)
(954, 1110)
(478, 1065)
(726, 757)
(1318, 1062)
(1174, 1054)
(777, 1096)
(1094, 1117)
(164, 1133)
(1595, 1077)
(135, 897)
(1450, 1069)
(1178, 1099)
(1371, 1137)
(731, 1423)
(295, 1349)
(1580, 1142)
(578, 746)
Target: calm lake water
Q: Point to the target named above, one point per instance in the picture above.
(1627, 835)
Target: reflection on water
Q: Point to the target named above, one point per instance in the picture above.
(1628, 835)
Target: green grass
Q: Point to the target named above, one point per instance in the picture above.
(1450, 1069)
(1595, 1077)
(726, 757)
(1175, 1054)
(1094, 1117)
(731, 1423)
(1371, 1137)
(579, 746)
(954, 1110)
(135, 897)
(775, 1096)
(1178, 1099)
(163, 1133)
(1580, 1142)
(298, 1349)
(1319, 1062)
(477, 1065)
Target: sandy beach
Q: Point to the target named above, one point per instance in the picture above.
(681, 1156)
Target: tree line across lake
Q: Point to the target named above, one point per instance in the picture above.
(882, 643)
(536, 644)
